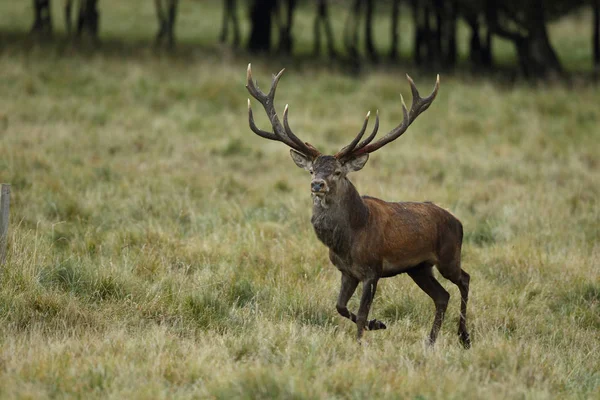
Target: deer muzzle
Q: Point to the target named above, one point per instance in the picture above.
(319, 187)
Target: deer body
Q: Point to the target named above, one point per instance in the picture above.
(364, 235)
(368, 238)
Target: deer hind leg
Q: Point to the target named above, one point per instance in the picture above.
(460, 278)
(424, 278)
(450, 268)
(463, 285)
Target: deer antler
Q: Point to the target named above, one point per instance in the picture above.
(418, 105)
(280, 133)
(348, 149)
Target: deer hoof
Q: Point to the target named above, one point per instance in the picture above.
(465, 340)
(375, 325)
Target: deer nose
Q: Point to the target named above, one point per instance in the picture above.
(317, 185)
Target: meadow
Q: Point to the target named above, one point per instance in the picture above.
(159, 249)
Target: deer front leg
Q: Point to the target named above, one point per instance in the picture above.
(349, 285)
(369, 289)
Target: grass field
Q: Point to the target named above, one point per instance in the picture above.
(160, 249)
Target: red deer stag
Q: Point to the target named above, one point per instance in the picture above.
(369, 238)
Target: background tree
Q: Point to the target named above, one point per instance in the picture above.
(480, 39)
(322, 22)
(261, 21)
(435, 23)
(351, 29)
(596, 36)
(394, 35)
(42, 17)
(422, 45)
(525, 25)
(166, 12)
(450, 50)
(88, 18)
(68, 16)
(522, 22)
(285, 14)
(230, 18)
(369, 39)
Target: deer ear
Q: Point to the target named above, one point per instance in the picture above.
(300, 159)
(356, 164)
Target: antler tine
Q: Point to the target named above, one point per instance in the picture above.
(418, 105)
(256, 129)
(348, 149)
(281, 134)
(370, 138)
(422, 103)
(254, 89)
(288, 130)
(276, 78)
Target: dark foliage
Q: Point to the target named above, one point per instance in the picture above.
(522, 22)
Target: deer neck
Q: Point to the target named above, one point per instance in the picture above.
(335, 217)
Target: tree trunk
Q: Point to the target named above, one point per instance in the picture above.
(351, 36)
(171, 22)
(235, 23)
(436, 38)
(319, 17)
(428, 35)
(68, 16)
(596, 36)
(230, 14)
(535, 60)
(486, 51)
(536, 55)
(42, 22)
(285, 29)
(162, 21)
(418, 35)
(451, 46)
(261, 14)
(166, 21)
(474, 42)
(322, 19)
(394, 32)
(369, 43)
(541, 51)
(351, 30)
(88, 19)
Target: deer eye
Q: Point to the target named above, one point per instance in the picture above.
(337, 173)
(311, 171)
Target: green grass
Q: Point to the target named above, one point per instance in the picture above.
(160, 249)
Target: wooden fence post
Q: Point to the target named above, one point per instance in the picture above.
(4, 207)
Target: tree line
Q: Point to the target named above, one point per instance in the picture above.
(522, 22)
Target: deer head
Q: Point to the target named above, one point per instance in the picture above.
(329, 171)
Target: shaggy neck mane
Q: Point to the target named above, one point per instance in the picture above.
(335, 218)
